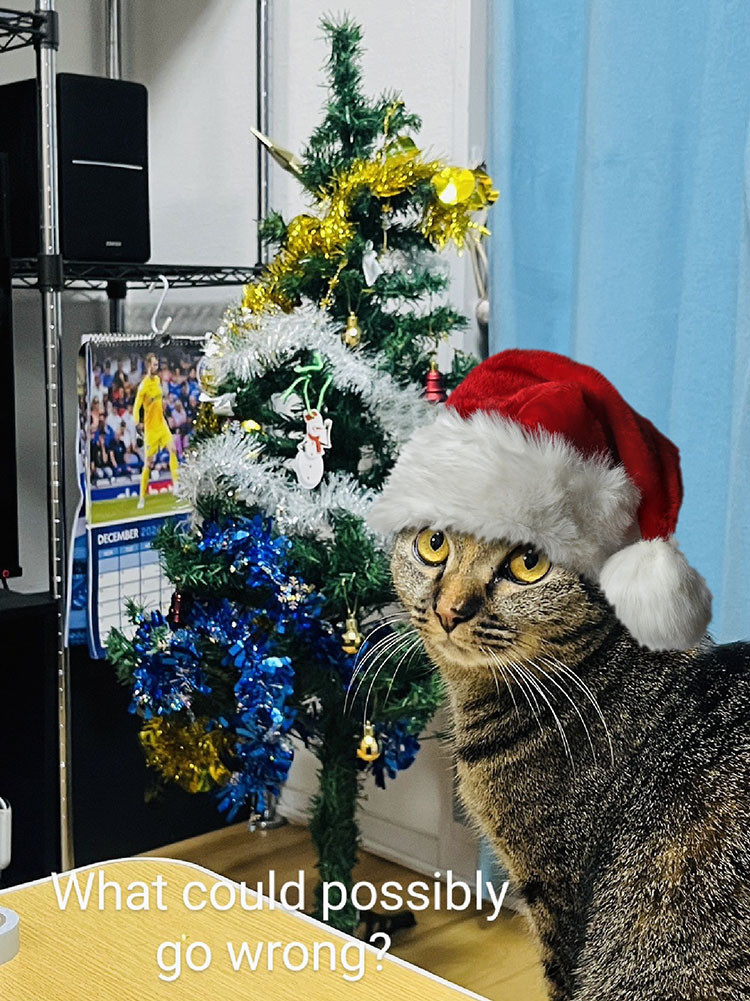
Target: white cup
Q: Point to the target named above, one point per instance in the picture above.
(9, 935)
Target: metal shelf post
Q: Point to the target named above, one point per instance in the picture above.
(50, 285)
(262, 29)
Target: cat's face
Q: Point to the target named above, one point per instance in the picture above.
(477, 604)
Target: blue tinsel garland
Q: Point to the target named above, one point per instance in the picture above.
(169, 673)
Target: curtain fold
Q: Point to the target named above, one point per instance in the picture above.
(619, 141)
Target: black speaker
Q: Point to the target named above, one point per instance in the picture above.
(8, 495)
(102, 167)
(29, 770)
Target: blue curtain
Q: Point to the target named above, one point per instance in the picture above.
(619, 133)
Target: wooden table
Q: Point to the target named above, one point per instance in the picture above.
(88, 954)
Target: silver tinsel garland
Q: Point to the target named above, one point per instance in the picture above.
(232, 464)
(247, 344)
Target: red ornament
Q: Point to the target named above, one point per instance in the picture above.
(434, 391)
(176, 613)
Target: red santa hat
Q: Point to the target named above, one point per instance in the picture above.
(535, 448)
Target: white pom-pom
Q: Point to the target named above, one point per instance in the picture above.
(657, 595)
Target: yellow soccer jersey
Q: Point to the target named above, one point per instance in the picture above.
(155, 429)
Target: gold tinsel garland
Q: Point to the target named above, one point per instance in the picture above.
(188, 754)
(457, 193)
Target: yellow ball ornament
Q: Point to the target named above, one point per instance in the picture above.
(402, 146)
(454, 185)
(206, 373)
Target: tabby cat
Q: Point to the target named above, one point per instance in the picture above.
(612, 780)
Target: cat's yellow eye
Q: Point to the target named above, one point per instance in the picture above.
(431, 547)
(527, 565)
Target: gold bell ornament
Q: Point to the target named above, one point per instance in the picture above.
(352, 336)
(368, 749)
(352, 639)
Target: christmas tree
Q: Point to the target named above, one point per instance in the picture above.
(310, 386)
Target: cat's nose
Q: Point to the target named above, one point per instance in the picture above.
(451, 613)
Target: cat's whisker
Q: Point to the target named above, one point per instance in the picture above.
(521, 677)
(499, 670)
(360, 662)
(369, 647)
(409, 647)
(525, 692)
(415, 646)
(402, 640)
(570, 673)
(552, 680)
(493, 672)
(537, 684)
(376, 649)
(404, 648)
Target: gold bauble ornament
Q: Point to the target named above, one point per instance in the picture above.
(352, 336)
(454, 185)
(352, 639)
(368, 749)
(206, 373)
(401, 146)
(252, 427)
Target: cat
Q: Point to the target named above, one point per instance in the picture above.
(612, 780)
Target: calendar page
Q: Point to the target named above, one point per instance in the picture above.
(123, 565)
(137, 419)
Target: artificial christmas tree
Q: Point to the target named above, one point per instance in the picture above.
(310, 386)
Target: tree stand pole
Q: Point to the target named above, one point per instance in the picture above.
(333, 824)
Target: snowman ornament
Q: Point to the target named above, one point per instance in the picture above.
(308, 463)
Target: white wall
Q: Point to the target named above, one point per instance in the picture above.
(197, 59)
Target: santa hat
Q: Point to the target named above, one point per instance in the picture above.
(535, 448)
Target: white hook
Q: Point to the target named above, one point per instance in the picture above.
(155, 328)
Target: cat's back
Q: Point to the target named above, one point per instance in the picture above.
(712, 721)
(671, 906)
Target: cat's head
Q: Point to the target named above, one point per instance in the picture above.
(477, 604)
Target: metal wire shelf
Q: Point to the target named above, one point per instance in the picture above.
(101, 275)
(19, 28)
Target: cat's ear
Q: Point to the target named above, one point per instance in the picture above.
(657, 595)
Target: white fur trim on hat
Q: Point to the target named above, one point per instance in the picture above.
(489, 477)
(657, 595)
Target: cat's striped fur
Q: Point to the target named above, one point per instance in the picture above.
(612, 780)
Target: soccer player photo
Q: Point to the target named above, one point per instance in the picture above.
(141, 409)
(157, 436)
